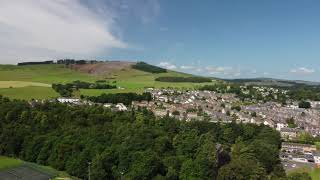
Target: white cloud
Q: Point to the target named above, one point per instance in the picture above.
(225, 71)
(187, 67)
(167, 65)
(38, 30)
(302, 71)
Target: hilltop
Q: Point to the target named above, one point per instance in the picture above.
(35, 80)
(272, 82)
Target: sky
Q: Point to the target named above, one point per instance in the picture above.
(218, 38)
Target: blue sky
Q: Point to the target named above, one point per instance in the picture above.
(222, 38)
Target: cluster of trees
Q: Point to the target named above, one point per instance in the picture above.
(136, 145)
(61, 61)
(142, 66)
(304, 92)
(194, 79)
(66, 90)
(97, 85)
(35, 63)
(304, 104)
(125, 98)
(73, 61)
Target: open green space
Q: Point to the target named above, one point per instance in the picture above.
(34, 81)
(52, 73)
(314, 173)
(10, 163)
(6, 163)
(17, 84)
(29, 92)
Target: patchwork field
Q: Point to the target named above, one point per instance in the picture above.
(34, 81)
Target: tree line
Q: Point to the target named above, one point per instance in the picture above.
(193, 79)
(35, 63)
(66, 90)
(136, 145)
(60, 61)
(125, 98)
(142, 66)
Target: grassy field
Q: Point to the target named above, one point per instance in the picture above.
(314, 173)
(29, 92)
(17, 84)
(7, 163)
(34, 81)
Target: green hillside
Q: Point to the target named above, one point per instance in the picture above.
(34, 81)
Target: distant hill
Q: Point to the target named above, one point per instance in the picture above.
(34, 81)
(272, 82)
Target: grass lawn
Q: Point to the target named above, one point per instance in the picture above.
(29, 92)
(7, 163)
(16, 84)
(314, 173)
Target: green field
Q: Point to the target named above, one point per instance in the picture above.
(29, 92)
(7, 163)
(34, 81)
(314, 173)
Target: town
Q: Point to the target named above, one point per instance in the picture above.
(290, 120)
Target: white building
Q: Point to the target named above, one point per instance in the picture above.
(107, 105)
(280, 126)
(316, 156)
(69, 100)
(121, 107)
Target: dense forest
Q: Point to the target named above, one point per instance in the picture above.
(125, 98)
(142, 66)
(65, 90)
(183, 79)
(136, 145)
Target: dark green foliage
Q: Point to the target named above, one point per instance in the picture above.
(142, 66)
(305, 105)
(34, 63)
(183, 79)
(135, 145)
(97, 85)
(125, 98)
(299, 176)
(65, 90)
(238, 108)
(291, 123)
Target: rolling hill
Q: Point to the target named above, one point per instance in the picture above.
(34, 81)
(272, 82)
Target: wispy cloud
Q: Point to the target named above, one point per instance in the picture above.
(188, 67)
(302, 71)
(167, 65)
(33, 29)
(143, 10)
